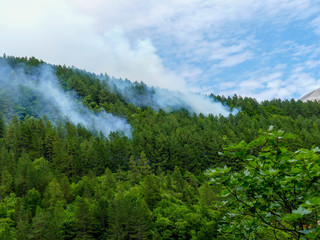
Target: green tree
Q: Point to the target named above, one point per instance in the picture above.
(2, 126)
(86, 225)
(54, 195)
(151, 191)
(23, 178)
(11, 134)
(32, 200)
(134, 175)
(50, 136)
(174, 220)
(7, 230)
(39, 224)
(179, 181)
(6, 183)
(277, 189)
(129, 217)
(143, 165)
(23, 228)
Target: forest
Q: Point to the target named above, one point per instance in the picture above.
(253, 174)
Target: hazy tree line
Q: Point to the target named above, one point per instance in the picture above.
(60, 181)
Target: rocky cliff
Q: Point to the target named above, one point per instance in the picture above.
(312, 96)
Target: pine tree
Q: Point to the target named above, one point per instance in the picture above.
(2, 126)
(50, 137)
(54, 194)
(134, 175)
(86, 224)
(6, 183)
(11, 134)
(129, 217)
(7, 232)
(206, 195)
(32, 200)
(23, 178)
(39, 224)
(23, 229)
(151, 191)
(143, 165)
(179, 181)
(36, 148)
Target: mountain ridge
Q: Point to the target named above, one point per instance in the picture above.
(312, 96)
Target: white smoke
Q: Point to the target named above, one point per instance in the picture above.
(168, 100)
(194, 102)
(45, 84)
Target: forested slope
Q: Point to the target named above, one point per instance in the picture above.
(60, 180)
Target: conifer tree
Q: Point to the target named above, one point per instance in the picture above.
(6, 183)
(151, 191)
(39, 222)
(54, 194)
(32, 200)
(143, 165)
(11, 134)
(2, 126)
(179, 181)
(134, 175)
(86, 223)
(23, 229)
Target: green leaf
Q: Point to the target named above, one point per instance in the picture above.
(301, 210)
(295, 170)
(289, 136)
(273, 171)
(292, 160)
(313, 201)
(253, 163)
(306, 231)
(317, 149)
(291, 217)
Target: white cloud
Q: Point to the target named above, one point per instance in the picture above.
(236, 59)
(228, 56)
(222, 52)
(312, 63)
(186, 20)
(315, 24)
(125, 38)
(275, 85)
(51, 30)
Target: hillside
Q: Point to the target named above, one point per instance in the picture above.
(86, 156)
(312, 96)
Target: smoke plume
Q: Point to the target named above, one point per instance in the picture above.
(160, 98)
(41, 85)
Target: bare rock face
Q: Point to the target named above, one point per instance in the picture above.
(313, 96)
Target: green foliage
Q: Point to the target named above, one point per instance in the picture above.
(151, 191)
(60, 181)
(2, 125)
(129, 217)
(6, 183)
(85, 224)
(7, 230)
(174, 220)
(54, 195)
(32, 200)
(277, 188)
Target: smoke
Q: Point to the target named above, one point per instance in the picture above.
(159, 98)
(38, 90)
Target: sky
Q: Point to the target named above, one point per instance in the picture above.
(257, 48)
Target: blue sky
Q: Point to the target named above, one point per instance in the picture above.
(262, 49)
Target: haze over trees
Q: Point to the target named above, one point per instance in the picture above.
(168, 180)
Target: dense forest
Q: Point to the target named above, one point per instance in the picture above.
(179, 175)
